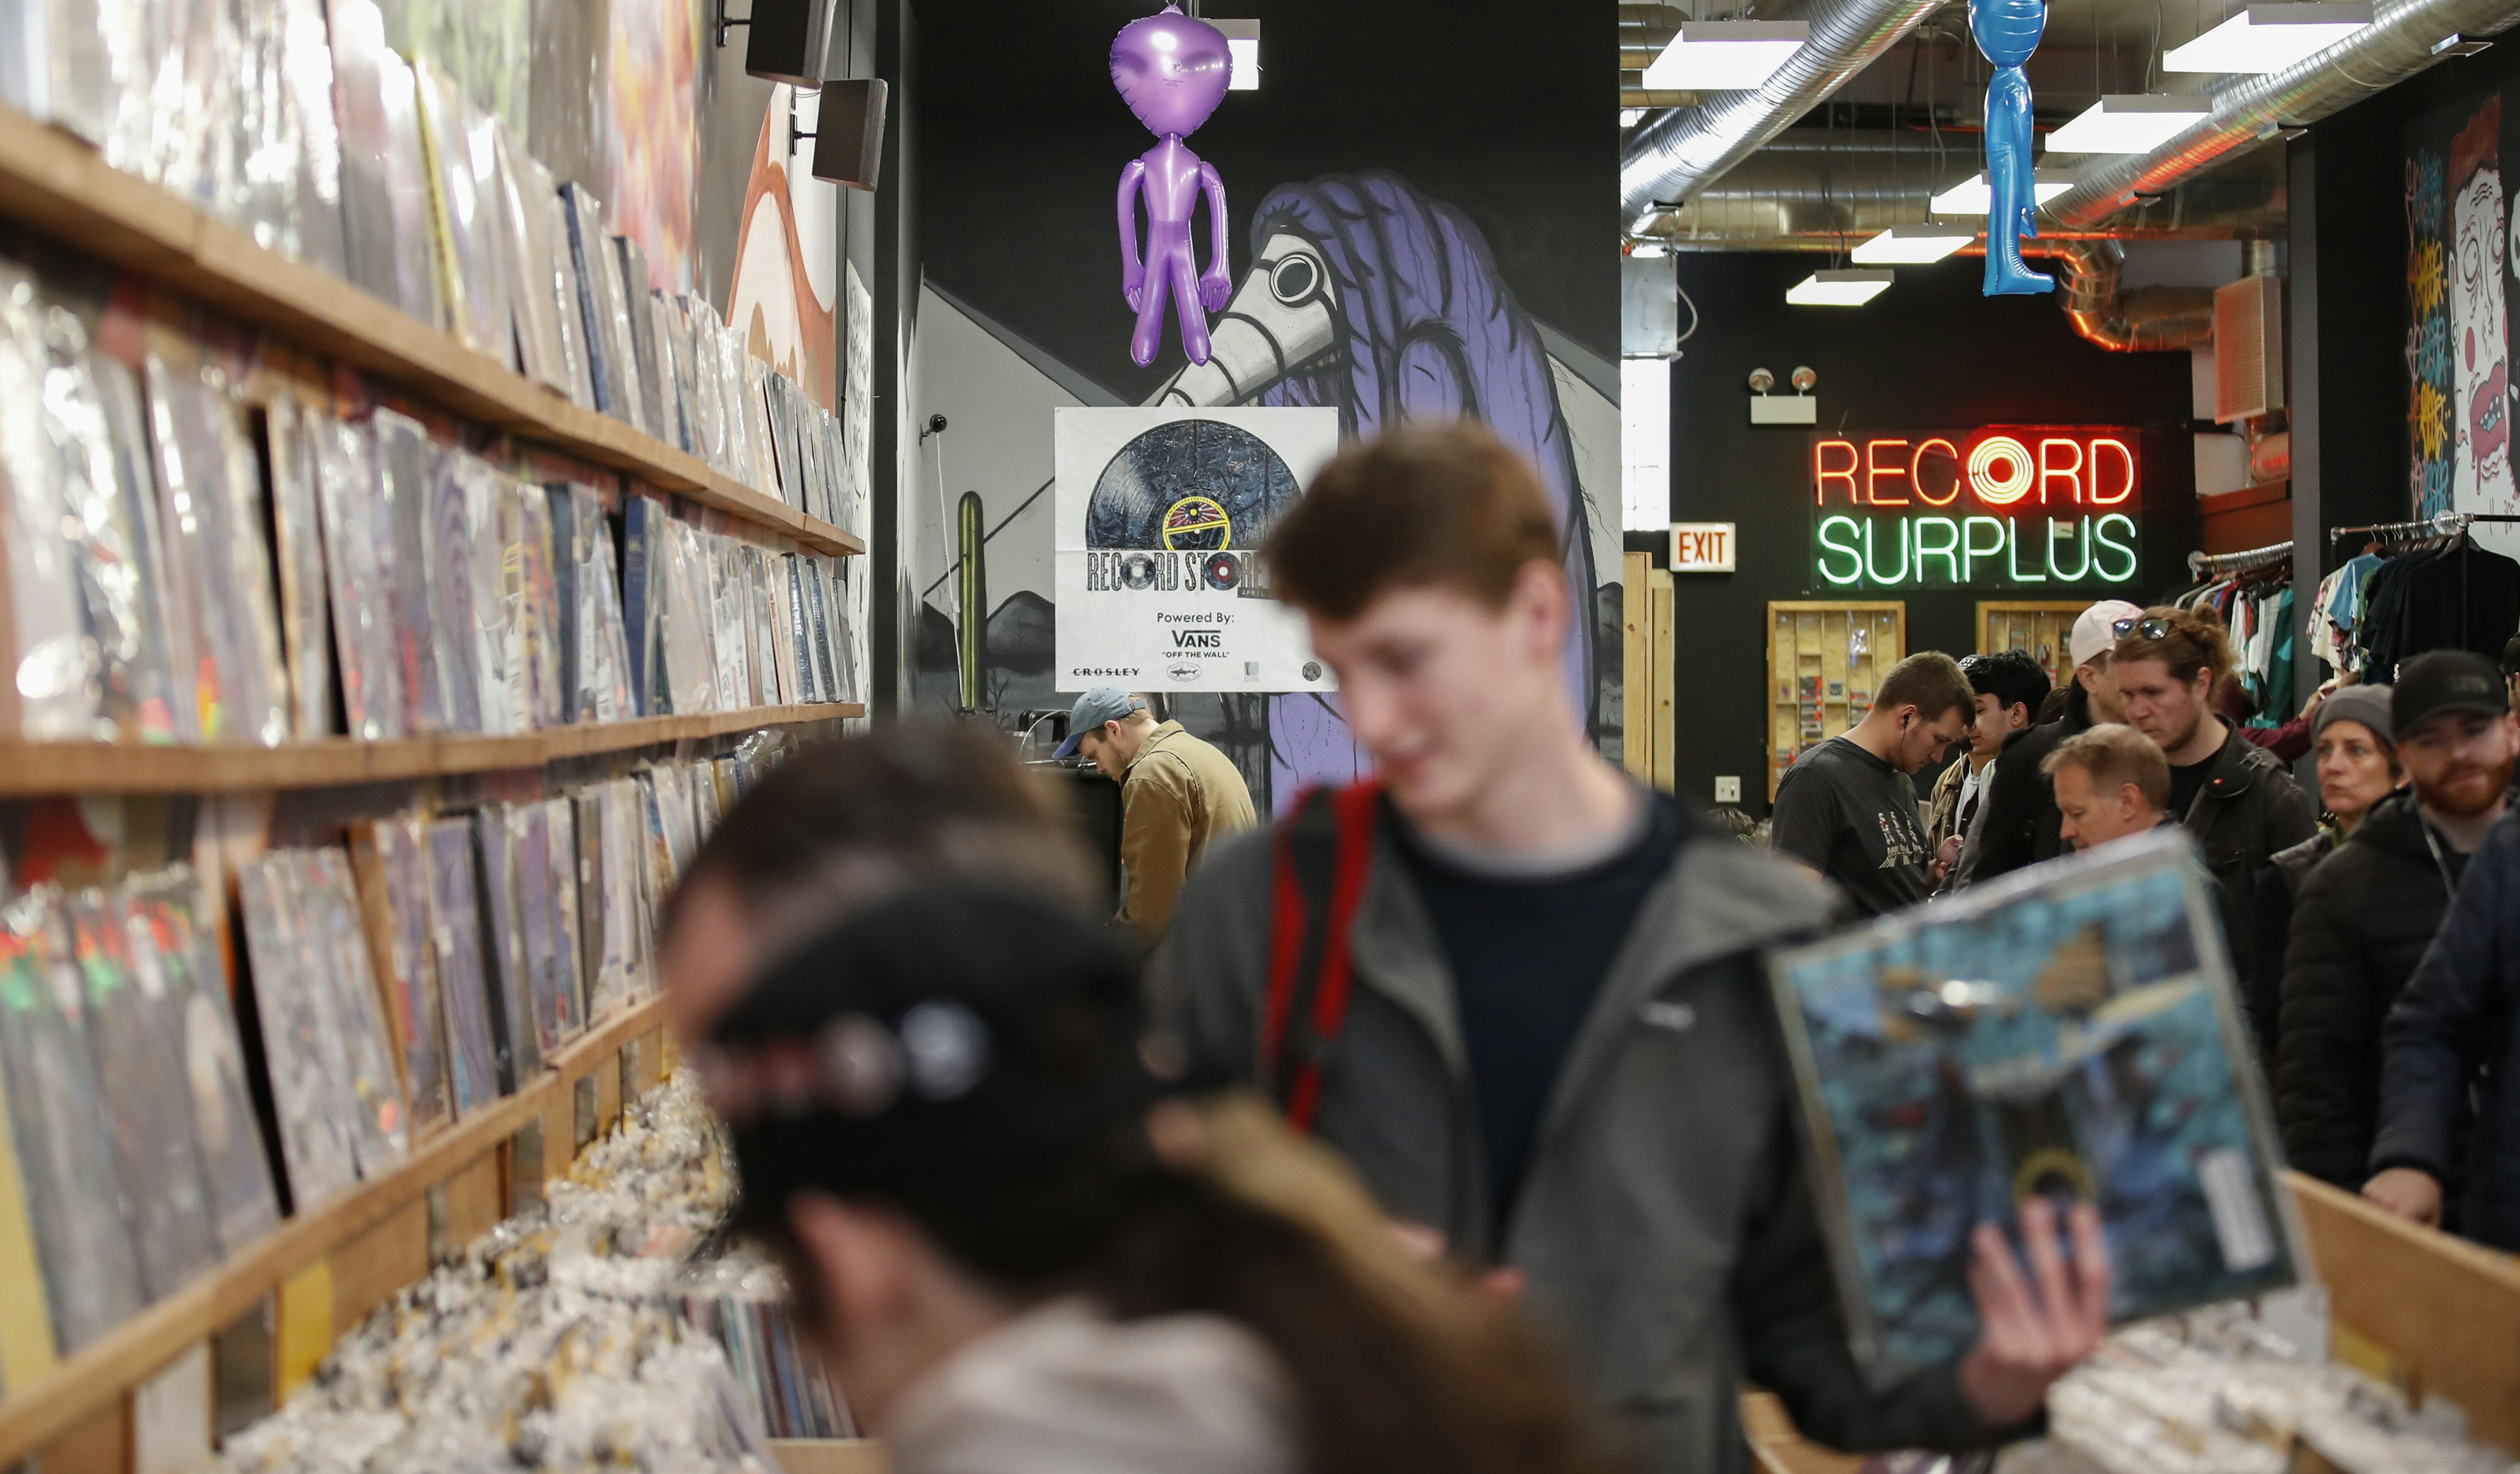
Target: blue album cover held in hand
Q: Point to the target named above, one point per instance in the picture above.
(2068, 1030)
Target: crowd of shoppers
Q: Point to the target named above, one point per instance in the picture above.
(1337, 1181)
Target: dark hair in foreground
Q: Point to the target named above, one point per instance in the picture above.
(866, 813)
(1042, 1159)
(1424, 506)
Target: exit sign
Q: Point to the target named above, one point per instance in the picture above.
(1701, 547)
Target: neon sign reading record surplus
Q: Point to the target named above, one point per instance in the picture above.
(2008, 506)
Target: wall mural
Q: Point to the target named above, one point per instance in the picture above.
(2460, 256)
(1362, 296)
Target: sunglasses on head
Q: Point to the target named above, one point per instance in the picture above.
(2153, 629)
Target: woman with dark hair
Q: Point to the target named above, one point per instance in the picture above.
(1018, 1249)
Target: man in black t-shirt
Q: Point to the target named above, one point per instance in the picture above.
(1848, 807)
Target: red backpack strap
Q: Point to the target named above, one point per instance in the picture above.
(1322, 853)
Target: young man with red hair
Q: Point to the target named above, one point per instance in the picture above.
(1523, 995)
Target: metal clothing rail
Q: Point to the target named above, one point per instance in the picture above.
(2199, 564)
(2439, 524)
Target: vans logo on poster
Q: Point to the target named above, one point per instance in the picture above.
(1197, 639)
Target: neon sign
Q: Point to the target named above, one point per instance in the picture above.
(2004, 507)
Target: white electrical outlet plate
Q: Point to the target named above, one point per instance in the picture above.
(1728, 789)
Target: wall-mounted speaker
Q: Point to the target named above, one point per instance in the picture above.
(787, 39)
(848, 141)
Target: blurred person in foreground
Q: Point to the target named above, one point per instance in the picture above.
(2450, 1045)
(1848, 810)
(2021, 824)
(2235, 797)
(1019, 1253)
(2010, 687)
(2356, 767)
(2366, 914)
(1523, 995)
(842, 824)
(2110, 782)
(1178, 796)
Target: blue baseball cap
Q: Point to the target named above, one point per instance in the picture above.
(1093, 708)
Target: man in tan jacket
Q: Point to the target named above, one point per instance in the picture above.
(1178, 795)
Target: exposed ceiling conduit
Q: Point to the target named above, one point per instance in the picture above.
(1815, 189)
(2142, 319)
(1670, 157)
(2397, 44)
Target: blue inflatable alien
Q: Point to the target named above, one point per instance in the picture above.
(2007, 32)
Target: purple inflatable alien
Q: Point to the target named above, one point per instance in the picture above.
(1172, 70)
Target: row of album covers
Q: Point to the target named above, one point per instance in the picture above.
(208, 544)
(309, 131)
(161, 1116)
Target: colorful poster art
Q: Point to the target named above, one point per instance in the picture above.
(785, 301)
(651, 137)
(2460, 258)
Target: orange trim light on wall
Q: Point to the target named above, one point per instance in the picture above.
(2009, 506)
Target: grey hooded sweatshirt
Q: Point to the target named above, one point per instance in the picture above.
(1664, 1224)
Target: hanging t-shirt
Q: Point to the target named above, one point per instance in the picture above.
(1853, 817)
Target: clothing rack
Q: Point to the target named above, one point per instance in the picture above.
(2201, 564)
(2439, 524)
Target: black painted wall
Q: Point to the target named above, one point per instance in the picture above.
(1021, 141)
(1929, 353)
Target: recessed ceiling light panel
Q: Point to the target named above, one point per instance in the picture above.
(2129, 125)
(1839, 289)
(1912, 245)
(1970, 197)
(1724, 56)
(2270, 37)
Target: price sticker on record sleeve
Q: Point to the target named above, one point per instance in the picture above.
(1161, 518)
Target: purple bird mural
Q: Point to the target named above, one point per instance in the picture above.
(1368, 297)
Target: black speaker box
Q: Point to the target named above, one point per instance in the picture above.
(848, 141)
(787, 38)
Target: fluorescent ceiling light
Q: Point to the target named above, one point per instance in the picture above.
(2129, 125)
(1972, 197)
(1839, 289)
(2270, 37)
(1912, 245)
(1651, 248)
(1724, 56)
(1645, 221)
(1242, 41)
(1629, 117)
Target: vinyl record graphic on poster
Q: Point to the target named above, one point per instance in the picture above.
(1161, 513)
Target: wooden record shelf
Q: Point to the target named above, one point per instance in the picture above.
(360, 1248)
(59, 185)
(31, 768)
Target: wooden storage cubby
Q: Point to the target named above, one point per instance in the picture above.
(2043, 626)
(1825, 661)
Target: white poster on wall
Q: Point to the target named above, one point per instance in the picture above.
(1160, 516)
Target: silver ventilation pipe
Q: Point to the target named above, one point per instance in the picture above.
(1671, 158)
(2401, 40)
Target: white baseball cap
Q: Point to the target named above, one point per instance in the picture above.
(2096, 628)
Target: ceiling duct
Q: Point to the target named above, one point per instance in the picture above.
(1671, 158)
(2401, 40)
(1830, 190)
(2142, 319)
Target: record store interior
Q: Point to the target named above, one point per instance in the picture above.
(694, 780)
